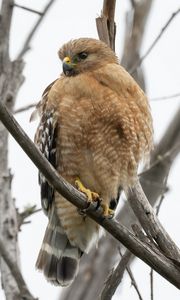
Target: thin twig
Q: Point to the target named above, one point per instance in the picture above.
(26, 213)
(28, 9)
(13, 267)
(152, 284)
(26, 45)
(139, 62)
(157, 213)
(165, 97)
(161, 198)
(24, 108)
(158, 262)
(162, 158)
(133, 281)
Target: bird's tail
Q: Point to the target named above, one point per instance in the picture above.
(58, 259)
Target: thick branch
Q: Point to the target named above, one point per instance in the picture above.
(115, 277)
(26, 45)
(150, 223)
(5, 23)
(13, 266)
(158, 262)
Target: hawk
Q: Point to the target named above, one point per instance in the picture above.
(95, 127)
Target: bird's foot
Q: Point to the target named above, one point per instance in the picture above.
(107, 212)
(91, 196)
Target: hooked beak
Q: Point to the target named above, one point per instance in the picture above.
(68, 66)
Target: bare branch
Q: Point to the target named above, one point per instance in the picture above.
(157, 212)
(26, 213)
(24, 108)
(150, 223)
(139, 62)
(135, 25)
(158, 262)
(28, 9)
(133, 281)
(170, 154)
(13, 266)
(115, 277)
(26, 45)
(165, 97)
(105, 24)
(152, 284)
(5, 24)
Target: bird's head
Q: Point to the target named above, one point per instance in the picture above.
(85, 54)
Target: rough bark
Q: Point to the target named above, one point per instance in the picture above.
(11, 79)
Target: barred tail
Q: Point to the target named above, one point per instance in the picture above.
(58, 259)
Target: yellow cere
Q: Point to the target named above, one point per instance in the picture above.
(67, 60)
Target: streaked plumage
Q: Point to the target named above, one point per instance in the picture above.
(96, 126)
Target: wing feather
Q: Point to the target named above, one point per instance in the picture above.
(45, 139)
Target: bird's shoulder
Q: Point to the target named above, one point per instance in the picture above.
(118, 80)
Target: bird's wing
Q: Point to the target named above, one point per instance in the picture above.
(45, 139)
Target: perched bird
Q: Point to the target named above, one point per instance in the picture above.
(95, 127)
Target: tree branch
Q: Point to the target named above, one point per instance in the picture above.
(158, 262)
(152, 272)
(24, 108)
(5, 24)
(28, 9)
(140, 60)
(11, 79)
(136, 20)
(115, 277)
(13, 266)
(26, 213)
(165, 97)
(133, 281)
(150, 223)
(26, 45)
(105, 24)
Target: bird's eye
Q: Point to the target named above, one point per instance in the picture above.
(83, 55)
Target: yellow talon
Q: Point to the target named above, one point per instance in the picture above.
(92, 196)
(107, 212)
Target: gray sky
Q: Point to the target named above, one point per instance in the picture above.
(71, 19)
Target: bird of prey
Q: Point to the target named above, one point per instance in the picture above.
(95, 127)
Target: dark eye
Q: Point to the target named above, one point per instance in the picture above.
(83, 55)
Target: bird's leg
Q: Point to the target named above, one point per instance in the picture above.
(94, 197)
(91, 196)
(107, 212)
